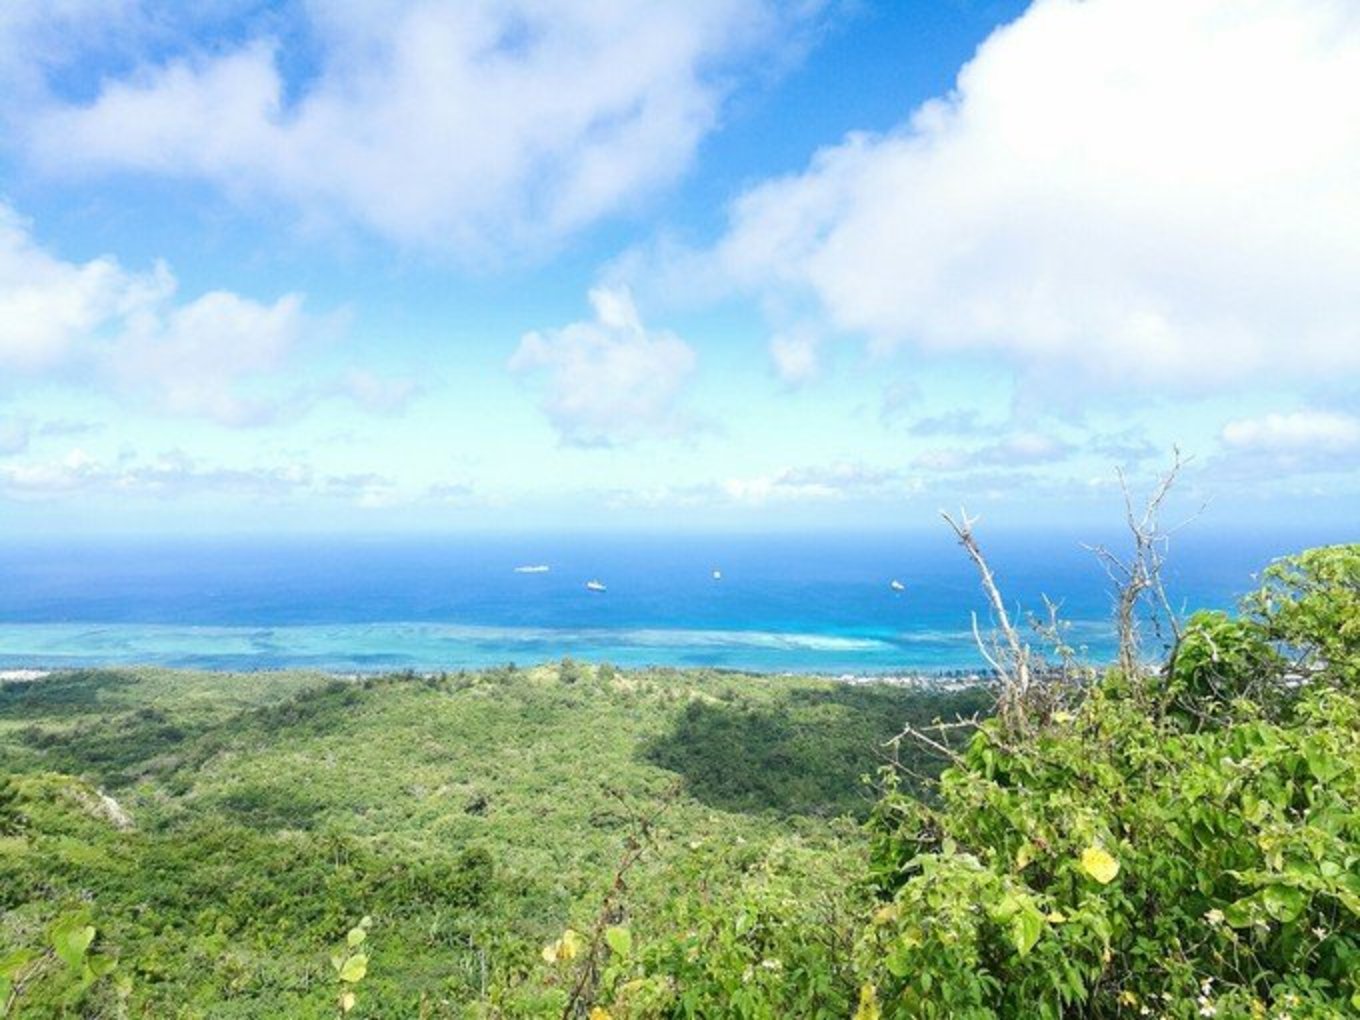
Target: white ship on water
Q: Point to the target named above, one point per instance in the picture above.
(595, 585)
(897, 586)
(536, 568)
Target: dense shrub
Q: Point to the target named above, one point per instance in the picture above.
(1183, 844)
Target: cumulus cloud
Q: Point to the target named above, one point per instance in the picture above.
(127, 330)
(1138, 193)
(1279, 450)
(609, 379)
(474, 126)
(192, 359)
(1295, 432)
(46, 304)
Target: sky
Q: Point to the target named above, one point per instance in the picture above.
(731, 264)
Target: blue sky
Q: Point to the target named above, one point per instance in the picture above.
(727, 264)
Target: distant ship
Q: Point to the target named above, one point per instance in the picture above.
(537, 568)
(595, 586)
(717, 575)
(897, 586)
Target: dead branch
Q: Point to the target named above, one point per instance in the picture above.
(938, 745)
(1138, 579)
(1014, 667)
(636, 844)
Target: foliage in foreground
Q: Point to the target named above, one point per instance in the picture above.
(1181, 845)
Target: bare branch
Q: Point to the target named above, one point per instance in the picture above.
(1138, 579)
(1015, 674)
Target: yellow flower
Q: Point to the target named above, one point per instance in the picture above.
(568, 947)
(1099, 864)
(868, 1004)
(599, 1013)
(572, 944)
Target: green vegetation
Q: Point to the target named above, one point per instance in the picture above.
(572, 841)
(471, 817)
(1183, 842)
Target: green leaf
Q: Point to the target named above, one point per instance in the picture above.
(354, 969)
(100, 965)
(898, 962)
(12, 963)
(1239, 914)
(619, 939)
(1026, 927)
(71, 939)
(1283, 902)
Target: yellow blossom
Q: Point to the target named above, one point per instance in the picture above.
(1097, 863)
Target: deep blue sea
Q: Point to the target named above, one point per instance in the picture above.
(807, 603)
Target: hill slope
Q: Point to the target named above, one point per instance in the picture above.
(472, 817)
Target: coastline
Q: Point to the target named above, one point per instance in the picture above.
(951, 680)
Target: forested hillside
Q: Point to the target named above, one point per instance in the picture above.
(471, 817)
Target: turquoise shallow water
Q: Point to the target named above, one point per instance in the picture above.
(816, 603)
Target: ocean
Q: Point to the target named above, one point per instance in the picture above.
(817, 603)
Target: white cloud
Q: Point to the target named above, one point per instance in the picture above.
(812, 484)
(125, 330)
(1296, 432)
(1016, 450)
(478, 126)
(609, 379)
(174, 473)
(47, 304)
(1139, 193)
(193, 359)
(794, 356)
